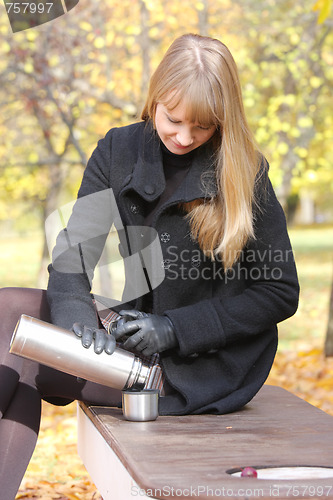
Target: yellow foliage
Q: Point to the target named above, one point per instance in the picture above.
(85, 26)
(282, 148)
(308, 374)
(324, 8)
(100, 52)
(295, 132)
(200, 6)
(302, 152)
(31, 35)
(305, 122)
(28, 68)
(285, 127)
(315, 82)
(312, 177)
(99, 42)
(294, 38)
(53, 60)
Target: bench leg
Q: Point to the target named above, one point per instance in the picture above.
(106, 470)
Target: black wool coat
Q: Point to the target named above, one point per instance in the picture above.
(225, 323)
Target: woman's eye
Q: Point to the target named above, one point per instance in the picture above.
(171, 120)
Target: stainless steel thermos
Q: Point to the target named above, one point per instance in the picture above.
(61, 349)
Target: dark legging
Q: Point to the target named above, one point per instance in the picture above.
(23, 383)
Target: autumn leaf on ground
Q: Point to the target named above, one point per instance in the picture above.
(308, 374)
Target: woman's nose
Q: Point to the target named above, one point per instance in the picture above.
(184, 137)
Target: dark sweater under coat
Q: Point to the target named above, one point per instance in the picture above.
(225, 323)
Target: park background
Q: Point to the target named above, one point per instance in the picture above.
(65, 83)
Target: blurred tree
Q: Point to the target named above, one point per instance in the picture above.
(65, 83)
(62, 85)
(324, 7)
(288, 75)
(329, 331)
(50, 84)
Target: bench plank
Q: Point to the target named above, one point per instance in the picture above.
(184, 454)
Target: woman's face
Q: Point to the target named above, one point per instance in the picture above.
(179, 135)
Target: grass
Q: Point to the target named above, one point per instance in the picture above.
(20, 257)
(313, 247)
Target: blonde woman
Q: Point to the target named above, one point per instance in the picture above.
(191, 173)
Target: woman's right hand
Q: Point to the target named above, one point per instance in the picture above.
(101, 339)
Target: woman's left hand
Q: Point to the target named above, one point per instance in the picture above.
(149, 333)
(99, 337)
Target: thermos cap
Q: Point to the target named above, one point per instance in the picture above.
(140, 406)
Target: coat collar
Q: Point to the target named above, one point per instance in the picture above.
(148, 176)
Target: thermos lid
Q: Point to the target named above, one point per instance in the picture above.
(142, 391)
(140, 406)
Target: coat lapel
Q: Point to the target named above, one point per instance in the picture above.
(148, 176)
(148, 179)
(200, 181)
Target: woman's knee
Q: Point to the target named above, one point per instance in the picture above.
(15, 301)
(9, 299)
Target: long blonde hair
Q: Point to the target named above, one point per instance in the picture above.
(201, 72)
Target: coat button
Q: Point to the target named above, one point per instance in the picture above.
(166, 264)
(134, 208)
(165, 237)
(149, 189)
(195, 261)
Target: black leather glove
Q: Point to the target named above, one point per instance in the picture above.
(101, 339)
(149, 333)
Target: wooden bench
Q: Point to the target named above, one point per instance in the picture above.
(195, 456)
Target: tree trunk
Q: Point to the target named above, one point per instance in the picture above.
(329, 332)
(203, 24)
(50, 205)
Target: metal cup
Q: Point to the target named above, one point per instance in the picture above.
(140, 406)
(61, 349)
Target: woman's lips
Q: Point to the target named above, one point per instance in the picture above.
(179, 145)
